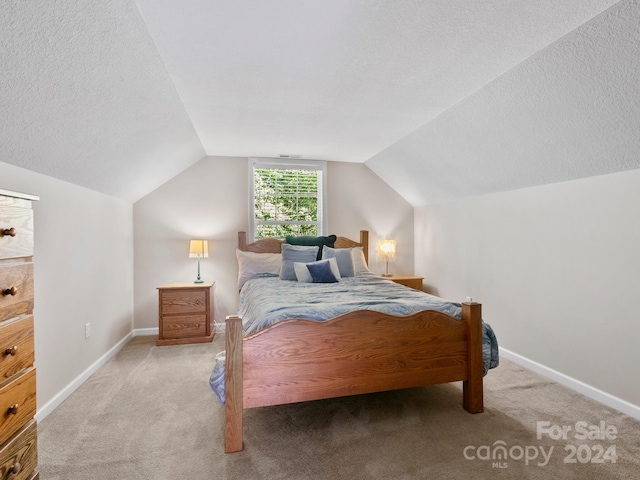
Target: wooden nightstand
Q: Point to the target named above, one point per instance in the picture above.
(407, 280)
(185, 313)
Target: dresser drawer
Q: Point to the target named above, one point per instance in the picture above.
(16, 347)
(19, 457)
(16, 229)
(175, 302)
(16, 289)
(17, 403)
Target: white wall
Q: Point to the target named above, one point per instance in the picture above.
(83, 274)
(359, 199)
(556, 269)
(210, 200)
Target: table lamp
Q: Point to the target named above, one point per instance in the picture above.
(387, 253)
(198, 249)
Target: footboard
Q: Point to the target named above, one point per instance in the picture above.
(360, 352)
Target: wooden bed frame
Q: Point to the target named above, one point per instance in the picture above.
(361, 352)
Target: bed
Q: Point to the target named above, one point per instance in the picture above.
(361, 351)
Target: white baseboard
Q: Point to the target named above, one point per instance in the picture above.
(141, 332)
(587, 390)
(219, 328)
(61, 396)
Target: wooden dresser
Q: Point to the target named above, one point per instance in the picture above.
(185, 313)
(18, 431)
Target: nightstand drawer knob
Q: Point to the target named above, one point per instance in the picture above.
(11, 232)
(15, 468)
(11, 351)
(10, 291)
(13, 409)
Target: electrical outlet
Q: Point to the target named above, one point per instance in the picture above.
(87, 330)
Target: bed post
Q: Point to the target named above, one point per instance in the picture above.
(242, 241)
(364, 240)
(233, 385)
(472, 392)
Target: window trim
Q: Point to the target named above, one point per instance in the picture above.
(290, 164)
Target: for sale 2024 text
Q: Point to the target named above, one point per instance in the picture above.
(582, 431)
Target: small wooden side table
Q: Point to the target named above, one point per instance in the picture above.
(185, 313)
(407, 280)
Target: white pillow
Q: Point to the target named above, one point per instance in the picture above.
(359, 262)
(251, 264)
(302, 272)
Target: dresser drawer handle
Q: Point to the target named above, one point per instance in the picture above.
(11, 351)
(9, 231)
(10, 291)
(13, 409)
(15, 468)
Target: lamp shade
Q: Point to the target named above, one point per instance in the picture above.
(199, 249)
(387, 250)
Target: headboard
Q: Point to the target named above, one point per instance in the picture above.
(273, 245)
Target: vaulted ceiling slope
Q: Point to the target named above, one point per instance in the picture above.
(120, 96)
(570, 111)
(86, 98)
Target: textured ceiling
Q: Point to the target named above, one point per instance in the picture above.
(570, 111)
(341, 79)
(86, 98)
(120, 96)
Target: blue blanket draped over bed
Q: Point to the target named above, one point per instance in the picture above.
(261, 305)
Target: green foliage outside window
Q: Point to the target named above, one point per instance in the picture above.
(286, 202)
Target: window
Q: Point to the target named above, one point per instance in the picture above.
(288, 197)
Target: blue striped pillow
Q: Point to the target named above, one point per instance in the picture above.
(292, 254)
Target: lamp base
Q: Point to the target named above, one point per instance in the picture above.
(198, 279)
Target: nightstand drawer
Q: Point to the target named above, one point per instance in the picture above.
(16, 290)
(16, 347)
(185, 313)
(17, 403)
(184, 326)
(181, 302)
(20, 454)
(16, 229)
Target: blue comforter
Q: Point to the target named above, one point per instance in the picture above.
(261, 305)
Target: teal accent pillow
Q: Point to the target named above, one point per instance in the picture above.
(344, 259)
(292, 254)
(319, 242)
(321, 272)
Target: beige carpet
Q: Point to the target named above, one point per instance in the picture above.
(149, 414)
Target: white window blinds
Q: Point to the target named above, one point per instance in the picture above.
(287, 197)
